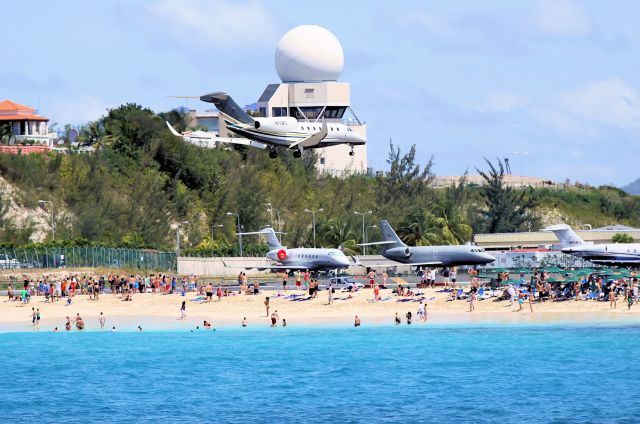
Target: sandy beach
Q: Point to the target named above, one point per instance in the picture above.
(161, 311)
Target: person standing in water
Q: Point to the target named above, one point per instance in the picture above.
(183, 310)
(409, 317)
(356, 321)
(274, 319)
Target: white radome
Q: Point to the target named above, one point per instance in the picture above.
(309, 53)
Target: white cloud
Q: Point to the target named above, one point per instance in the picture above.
(609, 102)
(560, 18)
(224, 23)
(77, 111)
(503, 101)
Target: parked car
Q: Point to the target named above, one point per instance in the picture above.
(345, 283)
(6, 262)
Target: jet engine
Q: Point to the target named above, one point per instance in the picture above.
(399, 252)
(282, 254)
(279, 124)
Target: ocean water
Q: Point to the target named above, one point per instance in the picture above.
(550, 373)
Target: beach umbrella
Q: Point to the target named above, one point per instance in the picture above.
(482, 276)
(498, 270)
(553, 269)
(523, 271)
(509, 281)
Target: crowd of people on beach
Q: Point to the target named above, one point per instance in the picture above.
(521, 293)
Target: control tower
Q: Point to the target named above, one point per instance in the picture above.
(309, 60)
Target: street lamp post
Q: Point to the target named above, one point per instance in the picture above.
(521, 154)
(178, 236)
(313, 214)
(239, 229)
(364, 235)
(53, 225)
(270, 206)
(215, 226)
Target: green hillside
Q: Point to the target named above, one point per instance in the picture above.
(141, 180)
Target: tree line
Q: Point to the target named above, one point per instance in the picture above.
(140, 181)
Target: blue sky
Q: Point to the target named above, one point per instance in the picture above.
(463, 80)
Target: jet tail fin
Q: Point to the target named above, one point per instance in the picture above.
(389, 236)
(565, 234)
(225, 104)
(270, 235)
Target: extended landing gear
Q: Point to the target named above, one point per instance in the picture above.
(351, 152)
(273, 153)
(297, 154)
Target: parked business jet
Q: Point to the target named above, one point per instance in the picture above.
(433, 256)
(600, 254)
(302, 258)
(273, 132)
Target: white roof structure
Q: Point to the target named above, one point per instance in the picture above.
(309, 53)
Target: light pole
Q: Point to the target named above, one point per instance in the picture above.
(53, 225)
(239, 229)
(313, 214)
(364, 235)
(178, 225)
(270, 206)
(215, 226)
(521, 154)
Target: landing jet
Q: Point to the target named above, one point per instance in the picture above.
(312, 259)
(274, 132)
(433, 256)
(625, 254)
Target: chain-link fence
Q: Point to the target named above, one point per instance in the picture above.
(89, 257)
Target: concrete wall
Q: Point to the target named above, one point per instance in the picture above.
(214, 267)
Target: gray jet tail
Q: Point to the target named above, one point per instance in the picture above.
(389, 236)
(225, 104)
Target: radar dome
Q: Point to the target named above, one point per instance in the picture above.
(309, 53)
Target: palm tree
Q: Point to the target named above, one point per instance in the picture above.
(339, 232)
(420, 228)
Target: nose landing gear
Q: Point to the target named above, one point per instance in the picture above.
(297, 154)
(273, 153)
(351, 152)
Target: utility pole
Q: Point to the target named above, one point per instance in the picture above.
(313, 214)
(239, 230)
(364, 235)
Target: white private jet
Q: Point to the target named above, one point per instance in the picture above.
(300, 258)
(274, 132)
(625, 254)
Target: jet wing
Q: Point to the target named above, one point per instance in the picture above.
(393, 263)
(313, 139)
(266, 266)
(206, 136)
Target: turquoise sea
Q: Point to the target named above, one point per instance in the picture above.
(550, 373)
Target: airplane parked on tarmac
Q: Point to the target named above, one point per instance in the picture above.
(273, 132)
(301, 258)
(600, 254)
(433, 256)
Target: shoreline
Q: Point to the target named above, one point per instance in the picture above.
(161, 312)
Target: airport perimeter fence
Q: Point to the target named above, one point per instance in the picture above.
(87, 257)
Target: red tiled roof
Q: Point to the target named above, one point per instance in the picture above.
(23, 118)
(8, 105)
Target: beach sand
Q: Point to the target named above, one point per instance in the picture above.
(159, 311)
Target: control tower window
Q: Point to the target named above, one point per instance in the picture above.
(278, 111)
(307, 112)
(334, 112)
(263, 112)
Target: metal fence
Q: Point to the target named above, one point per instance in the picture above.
(87, 257)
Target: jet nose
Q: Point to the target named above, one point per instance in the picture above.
(488, 258)
(343, 261)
